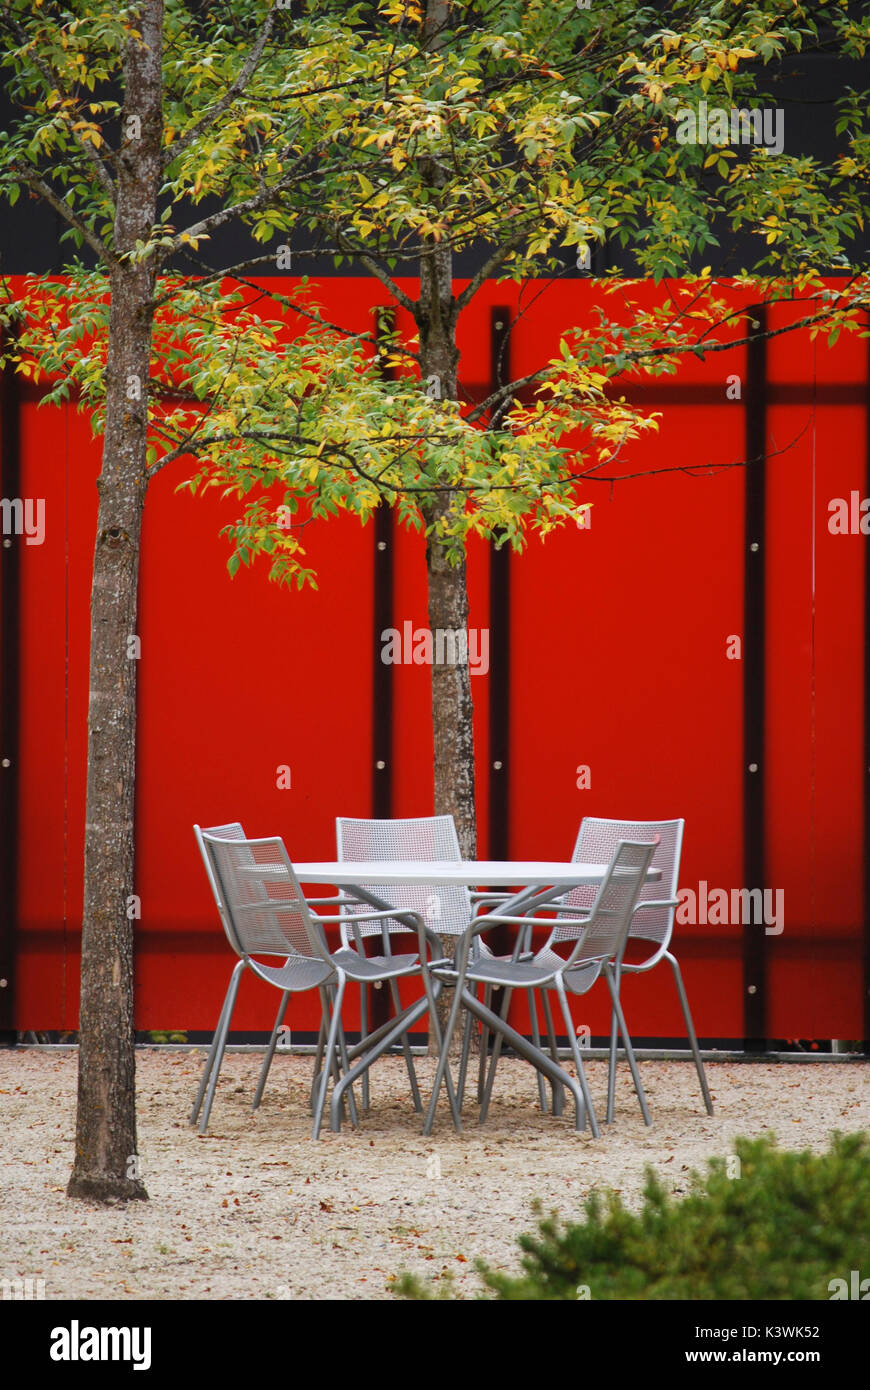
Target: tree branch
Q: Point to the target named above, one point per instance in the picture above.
(485, 271)
(289, 303)
(641, 354)
(235, 89)
(273, 441)
(692, 470)
(387, 280)
(262, 200)
(51, 78)
(37, 182)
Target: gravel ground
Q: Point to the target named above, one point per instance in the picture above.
(255, 1209)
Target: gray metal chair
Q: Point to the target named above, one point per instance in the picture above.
(598, 938)
(652, 920)
(265, 913)
(446, 910)
(234, 831)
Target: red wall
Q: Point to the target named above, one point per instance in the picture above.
(618, 661)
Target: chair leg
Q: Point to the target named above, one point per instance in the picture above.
(345, 1062)
(363, 1030)
(406, 1048)
(334, 1062)
(212, 1053)
(629, 1050)
(330, 1052)
(442, 1071)
(536, 1039)
(496, 1053)
(463, 1061)
(557, 1091)
(326, 1063)
(321, 1043)
(578, 1063)
(220, 1043)
(690, 1029)
(484, 1048)
(334, 1070)
(611, 1067)
(270, 1050)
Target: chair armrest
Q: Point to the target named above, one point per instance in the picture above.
(396, 912)
(558, 902)
(650, 902)
(412, 920)
(647, 903)
(347, 919)
(496, 918)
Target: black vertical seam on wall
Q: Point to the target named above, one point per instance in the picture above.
(499, 630)
(382, 674)
(754, 695)
(499, 651)
(866, 962)
(10, 561)
(382, 680)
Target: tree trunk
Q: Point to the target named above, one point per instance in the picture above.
(453, 733)
(107, 1164)
(452, 726)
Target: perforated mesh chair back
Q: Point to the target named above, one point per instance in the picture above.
(263, 899)
(596, 843)
(232, 831)
(446, 910)
(604, 931)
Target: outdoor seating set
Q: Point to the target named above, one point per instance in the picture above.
(408, 877)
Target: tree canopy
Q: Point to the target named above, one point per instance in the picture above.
(523, 136)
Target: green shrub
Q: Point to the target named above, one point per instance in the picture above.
(783, 1227)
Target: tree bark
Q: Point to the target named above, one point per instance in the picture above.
(107, 1164)
(448, 593)
(452, 723)
(452, 726)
